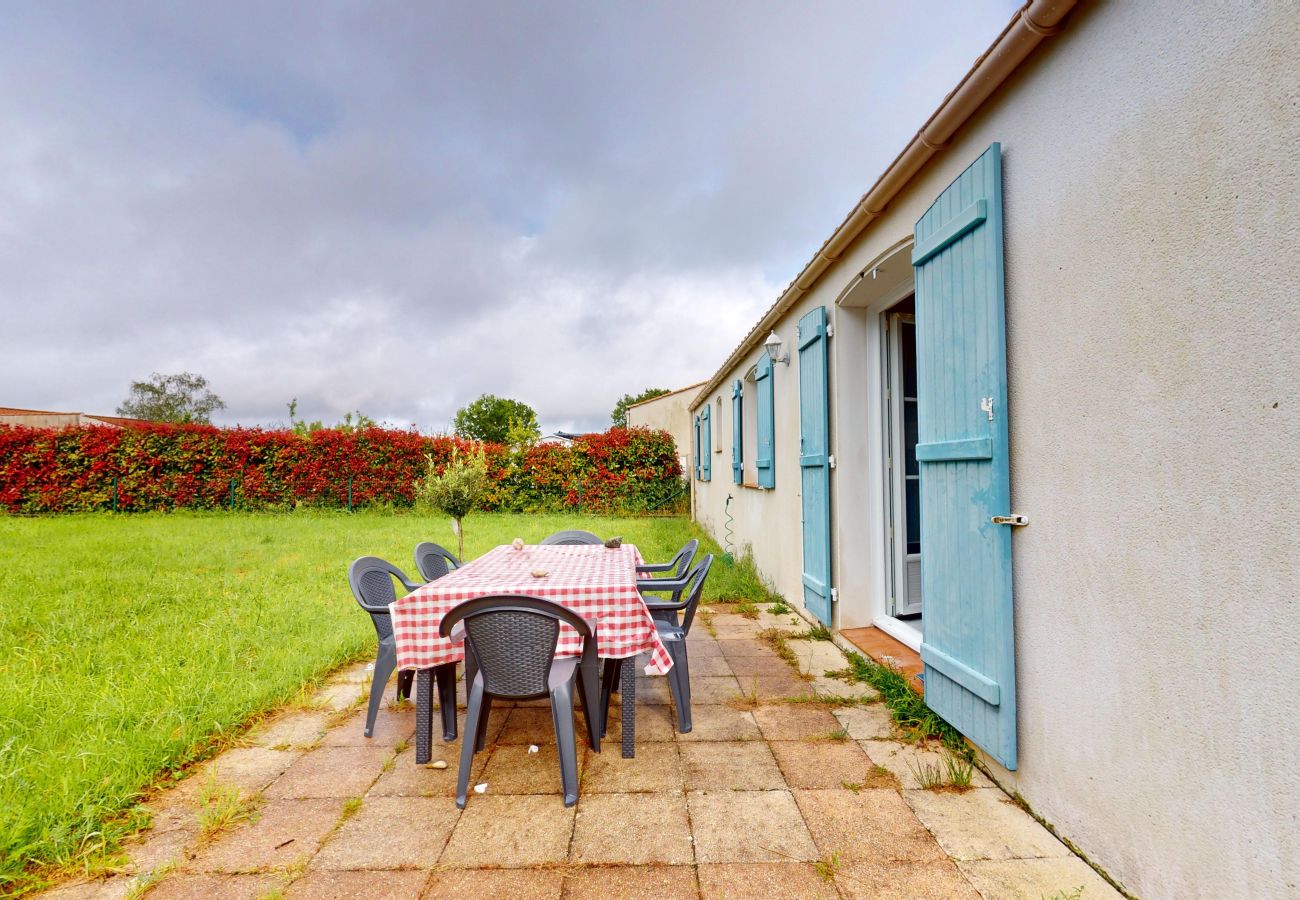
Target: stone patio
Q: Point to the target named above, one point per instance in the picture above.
(782, 794)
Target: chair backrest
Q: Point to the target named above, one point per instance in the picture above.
(685, 557)
(433, 561)
(371, 580)
(570, 538)
(694, 590)
(513, 639)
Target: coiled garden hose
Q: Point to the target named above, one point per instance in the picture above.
(729, 533)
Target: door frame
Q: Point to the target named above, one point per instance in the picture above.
(896, 498)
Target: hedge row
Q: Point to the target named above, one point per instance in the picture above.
(198, 466)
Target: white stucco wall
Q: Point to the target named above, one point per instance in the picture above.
(1152, 179)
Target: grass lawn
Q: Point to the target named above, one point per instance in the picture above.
(131, 645)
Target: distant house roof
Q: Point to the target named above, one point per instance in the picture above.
(689, 387)
(558, 437)
(12, 415)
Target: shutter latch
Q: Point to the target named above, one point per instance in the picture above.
(1013, 519)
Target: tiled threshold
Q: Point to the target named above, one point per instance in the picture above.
(877, 645)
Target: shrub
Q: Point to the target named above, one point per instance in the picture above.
(457, 490)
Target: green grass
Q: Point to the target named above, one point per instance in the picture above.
(134, 645)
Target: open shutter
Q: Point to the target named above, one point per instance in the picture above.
(706, 446)
(962, 447)
(698, 455)
(815, 464)
(764, 453)
(737, 433)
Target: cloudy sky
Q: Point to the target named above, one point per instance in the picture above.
(396, 207)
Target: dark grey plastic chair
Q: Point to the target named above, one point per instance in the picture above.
(512, 639)
(674, 634)
(371, 580)
(679, 565)
(570, 538)
(433, 561)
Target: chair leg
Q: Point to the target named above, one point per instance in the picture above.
(446, 675)
(480, 736)
(467, 745)
(566, 741)
(608, 681)
(404, 680)
(679, 680)
(423, 716)
(594, 719)
(385, 663)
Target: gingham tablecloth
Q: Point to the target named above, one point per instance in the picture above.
(597, 583)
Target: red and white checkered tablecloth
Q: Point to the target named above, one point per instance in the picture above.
(597, 583)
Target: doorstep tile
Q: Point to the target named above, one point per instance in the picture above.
(635, 829)
(510, 831)
(748, 826)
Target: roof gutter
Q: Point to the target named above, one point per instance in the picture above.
(1036, 20)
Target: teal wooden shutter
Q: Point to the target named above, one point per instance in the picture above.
(706, 446)
(962, 447)
(764, 454)
(737, 432)
(699, 464)
(814, 464)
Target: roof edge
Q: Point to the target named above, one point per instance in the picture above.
(688, 387)
(1031, 24)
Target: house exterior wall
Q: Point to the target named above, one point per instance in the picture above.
(670, 413)
(1151, 172)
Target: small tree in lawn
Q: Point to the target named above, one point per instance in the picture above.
(456, 492)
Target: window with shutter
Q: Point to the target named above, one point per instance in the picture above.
(737, 432)
(706, 446)
(765, 452)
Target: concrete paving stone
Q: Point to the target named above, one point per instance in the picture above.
(700, 645)
(652, 690)
(865, 722)
(1033, 879)
(653, 723)
(330, 772)
(747, 667)
(868, 826)
(373, 885)
(897, 880)
(821, 764)
(294, 729)
(713, 688)
(392, 726)
(285, 831)
(825, 657)
(338, 697)
(717, 723)
(206, 887)
(656, 767)
(511, 769)
(248, 768)
(390, 833)
(748, 826)
(152, 850)
(632, 829)
(834, 688)
(496, 722)
(115, 888)
(357, 673)
(406, 779)
(764, 881)
(785, 622)
(777, 685)
(730, 765)
(510, 832)
(734, 648)
(527, 725)
(495, 884)
(729, 626)
(707, 666)
(904, 760)
(659, 882)
(983, 823)
(794, 721)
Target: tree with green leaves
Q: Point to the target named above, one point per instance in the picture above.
(456, 491)
(349, 424)
(497, 420)
(181, 398)
(619, 416)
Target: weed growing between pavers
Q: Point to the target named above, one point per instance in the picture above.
(184, 629)
(952, 774)
(905, 705)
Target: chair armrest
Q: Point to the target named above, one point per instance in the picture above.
(408, 585)
(662, 584)
(657, 567)
(656, 604)
(457, 635)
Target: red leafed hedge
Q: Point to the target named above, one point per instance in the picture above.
(199, 466)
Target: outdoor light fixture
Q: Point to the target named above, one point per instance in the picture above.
(773, 347)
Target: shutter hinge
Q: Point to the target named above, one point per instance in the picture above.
(1013, 519)
(835, 595)
(830, 460)
(889, 462)
(830, 331)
